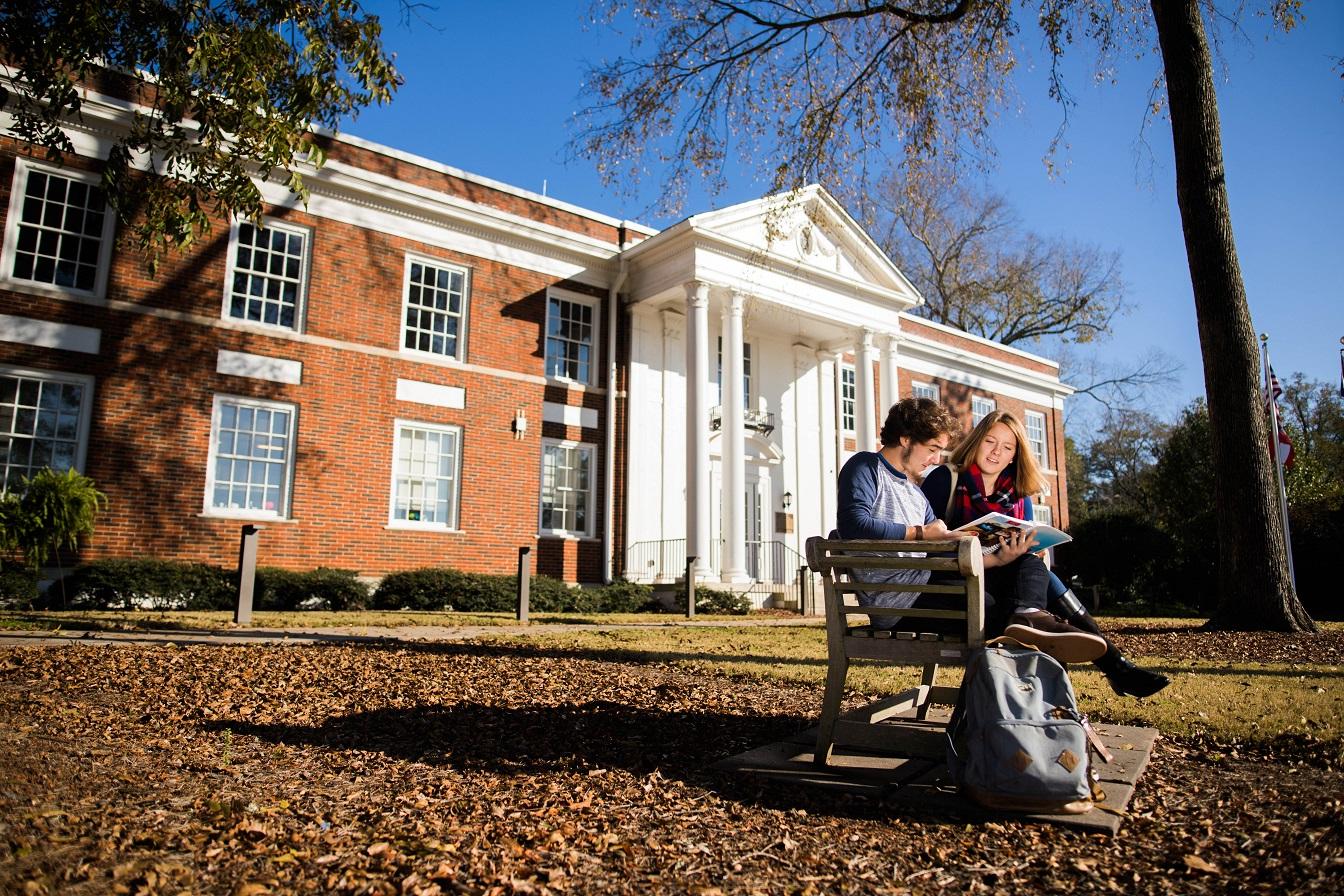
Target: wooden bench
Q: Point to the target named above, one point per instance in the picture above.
(961, 569)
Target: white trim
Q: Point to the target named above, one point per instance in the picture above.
(85, 409)
(567, 295)
(305, 264)
(438, 264)
(916, 385)
(569, 415)
(415, 525)
(1044, 457)
(50, 334)
(592, 488)
(854, 399)
(962, 334)
(259, 367)
(23, 167)
(431, 394)
(286, 488)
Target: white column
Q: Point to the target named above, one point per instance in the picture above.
(891, 390)
(733, 446)
(836, 418)
(865, 418)
(697, 425)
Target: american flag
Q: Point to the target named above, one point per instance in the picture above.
(1285, 445)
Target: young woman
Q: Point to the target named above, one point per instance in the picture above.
(992, 476)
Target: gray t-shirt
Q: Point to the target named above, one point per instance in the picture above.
(876, 501)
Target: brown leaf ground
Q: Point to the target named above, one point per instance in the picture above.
(475, 768)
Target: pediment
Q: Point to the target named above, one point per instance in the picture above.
(810, 228)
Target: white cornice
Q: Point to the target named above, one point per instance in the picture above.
(947, 362)
(365, 198)
(962, 334)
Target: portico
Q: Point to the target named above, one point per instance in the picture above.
(741, 317)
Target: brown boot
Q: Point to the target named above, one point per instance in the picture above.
(1055, 637)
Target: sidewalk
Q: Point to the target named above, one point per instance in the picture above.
(355, 635)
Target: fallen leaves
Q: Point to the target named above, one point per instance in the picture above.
(481, 769)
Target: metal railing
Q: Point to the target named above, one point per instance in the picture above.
(772, 562)
(760, 421)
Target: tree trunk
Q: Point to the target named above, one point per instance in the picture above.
(1254, 588)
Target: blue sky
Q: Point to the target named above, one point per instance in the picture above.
(493, 93)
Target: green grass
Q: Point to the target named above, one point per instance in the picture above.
(1228, 700)
(216, 620)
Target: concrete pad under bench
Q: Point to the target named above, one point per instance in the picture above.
(903, 764)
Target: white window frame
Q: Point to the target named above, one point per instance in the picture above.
(85, 409)
(18, 191)
(926, 390)
(305, 272)
(578, 298)
(568, 444)
(1042, 455)
(412, 259)
(981, 407)
(448, 525)
(849, 417)
(286, 486)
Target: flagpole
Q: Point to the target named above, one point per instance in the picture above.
(1278, 463)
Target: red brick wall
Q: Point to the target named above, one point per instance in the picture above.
(155, 381)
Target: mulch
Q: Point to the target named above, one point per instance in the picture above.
(487, 769)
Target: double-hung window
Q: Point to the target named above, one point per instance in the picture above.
(848, 393)
(436, 307)
(1035, 426)
(571, 336)
(566, 488)
(746, 374)
(981, 408)
(929, 391)
(58, 237)
(268, 274)
(44, 422)
(426, 474)
(251, 458)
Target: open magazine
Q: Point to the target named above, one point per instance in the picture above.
(991, 527)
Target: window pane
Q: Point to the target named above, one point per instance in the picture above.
(426, 488)
(252, 457)
(435, 297)
(59, 232)
(41, 419)
(268, 267)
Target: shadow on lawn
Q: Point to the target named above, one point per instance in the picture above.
(573, 739)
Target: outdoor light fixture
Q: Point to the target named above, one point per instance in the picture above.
(788, 500)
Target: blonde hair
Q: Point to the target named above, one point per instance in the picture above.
(1027, 476)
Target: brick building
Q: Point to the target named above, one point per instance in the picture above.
(426, 367)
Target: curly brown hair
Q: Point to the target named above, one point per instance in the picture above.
(918, 419)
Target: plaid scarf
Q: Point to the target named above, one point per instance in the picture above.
(972, 504)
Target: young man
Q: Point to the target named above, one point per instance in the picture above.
(879, 498)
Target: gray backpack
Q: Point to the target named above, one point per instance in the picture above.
(1016, 739)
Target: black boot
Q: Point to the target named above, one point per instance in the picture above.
(1126, 679)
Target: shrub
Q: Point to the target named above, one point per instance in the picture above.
(143, 584)
(320, 589)
(441, 588)
(18, 586)
(621, 597)
(721, 603)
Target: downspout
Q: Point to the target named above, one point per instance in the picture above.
(609, 520)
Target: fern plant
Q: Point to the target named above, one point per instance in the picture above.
(49, 511)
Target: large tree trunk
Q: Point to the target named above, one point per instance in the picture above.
(1254, 588)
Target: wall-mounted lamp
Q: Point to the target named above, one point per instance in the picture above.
(519, 424)
(788, 500)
